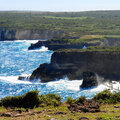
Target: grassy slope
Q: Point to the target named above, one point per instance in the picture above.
(86, 39)
(92, 49)
(108, 112)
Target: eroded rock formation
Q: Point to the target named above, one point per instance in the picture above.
(59, 44)
(89, 80)
(74, 63)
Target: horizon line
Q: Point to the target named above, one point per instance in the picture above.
(58, 11)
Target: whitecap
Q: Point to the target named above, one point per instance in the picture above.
(28, 41)
(41, 49)
(68, 84)
(13, 79)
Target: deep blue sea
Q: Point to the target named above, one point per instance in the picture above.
(16, 60)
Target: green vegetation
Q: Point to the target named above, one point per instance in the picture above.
(80, 100)
(83, 39)
(110, 110)
(53, 17)
(92, 49)
(50, 100)
(107, 97)
(70, 100)
(97, 48)
(86, 39)
(72, 23)
(31, 100)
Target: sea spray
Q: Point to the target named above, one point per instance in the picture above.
(100, 79)
(41, 49)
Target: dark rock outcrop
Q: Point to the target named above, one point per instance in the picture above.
(83, 118)
(23, 78)
(6, 34)
(59, 44)
(89, 80)
(74, 63)
(86, 106)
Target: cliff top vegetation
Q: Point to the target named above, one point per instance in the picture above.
(72, 23)
(92, 49)
(84, 39)
(108, 104)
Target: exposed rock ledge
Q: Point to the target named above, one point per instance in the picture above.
(74, 63)
(59, 44)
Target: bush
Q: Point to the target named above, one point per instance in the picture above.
(12, 101)
(50, 99)
(107, 97)
(29, 100)
(81, 100)
(54, 96)
(70, 100)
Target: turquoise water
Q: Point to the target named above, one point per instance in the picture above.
(16, 60)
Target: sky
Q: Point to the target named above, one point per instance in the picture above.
(59, 5)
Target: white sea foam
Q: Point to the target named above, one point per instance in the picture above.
(41, 49)
(28, 41)
(13, 79)
(114, 87)
(68, 84)
(73, 85)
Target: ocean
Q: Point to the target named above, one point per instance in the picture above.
(17, 60)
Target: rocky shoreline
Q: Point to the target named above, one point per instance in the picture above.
(73, 63)
(77, 43)
(58, 44)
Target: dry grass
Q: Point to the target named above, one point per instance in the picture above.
(108, 112)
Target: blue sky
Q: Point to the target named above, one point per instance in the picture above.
(60, 5)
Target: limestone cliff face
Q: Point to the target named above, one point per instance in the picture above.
(73, 64)
(27, 34)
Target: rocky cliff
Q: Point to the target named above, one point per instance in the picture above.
(64, 44)
(6, 34)
(74, 63)
(59, 44)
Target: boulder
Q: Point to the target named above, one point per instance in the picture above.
(89, 80)
(23, 78)
(83, 118)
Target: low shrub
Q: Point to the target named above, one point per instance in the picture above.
(80, 100)
(107, 97)
(70, 100)
(50, 99)
(28, 100)
(31, 100)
